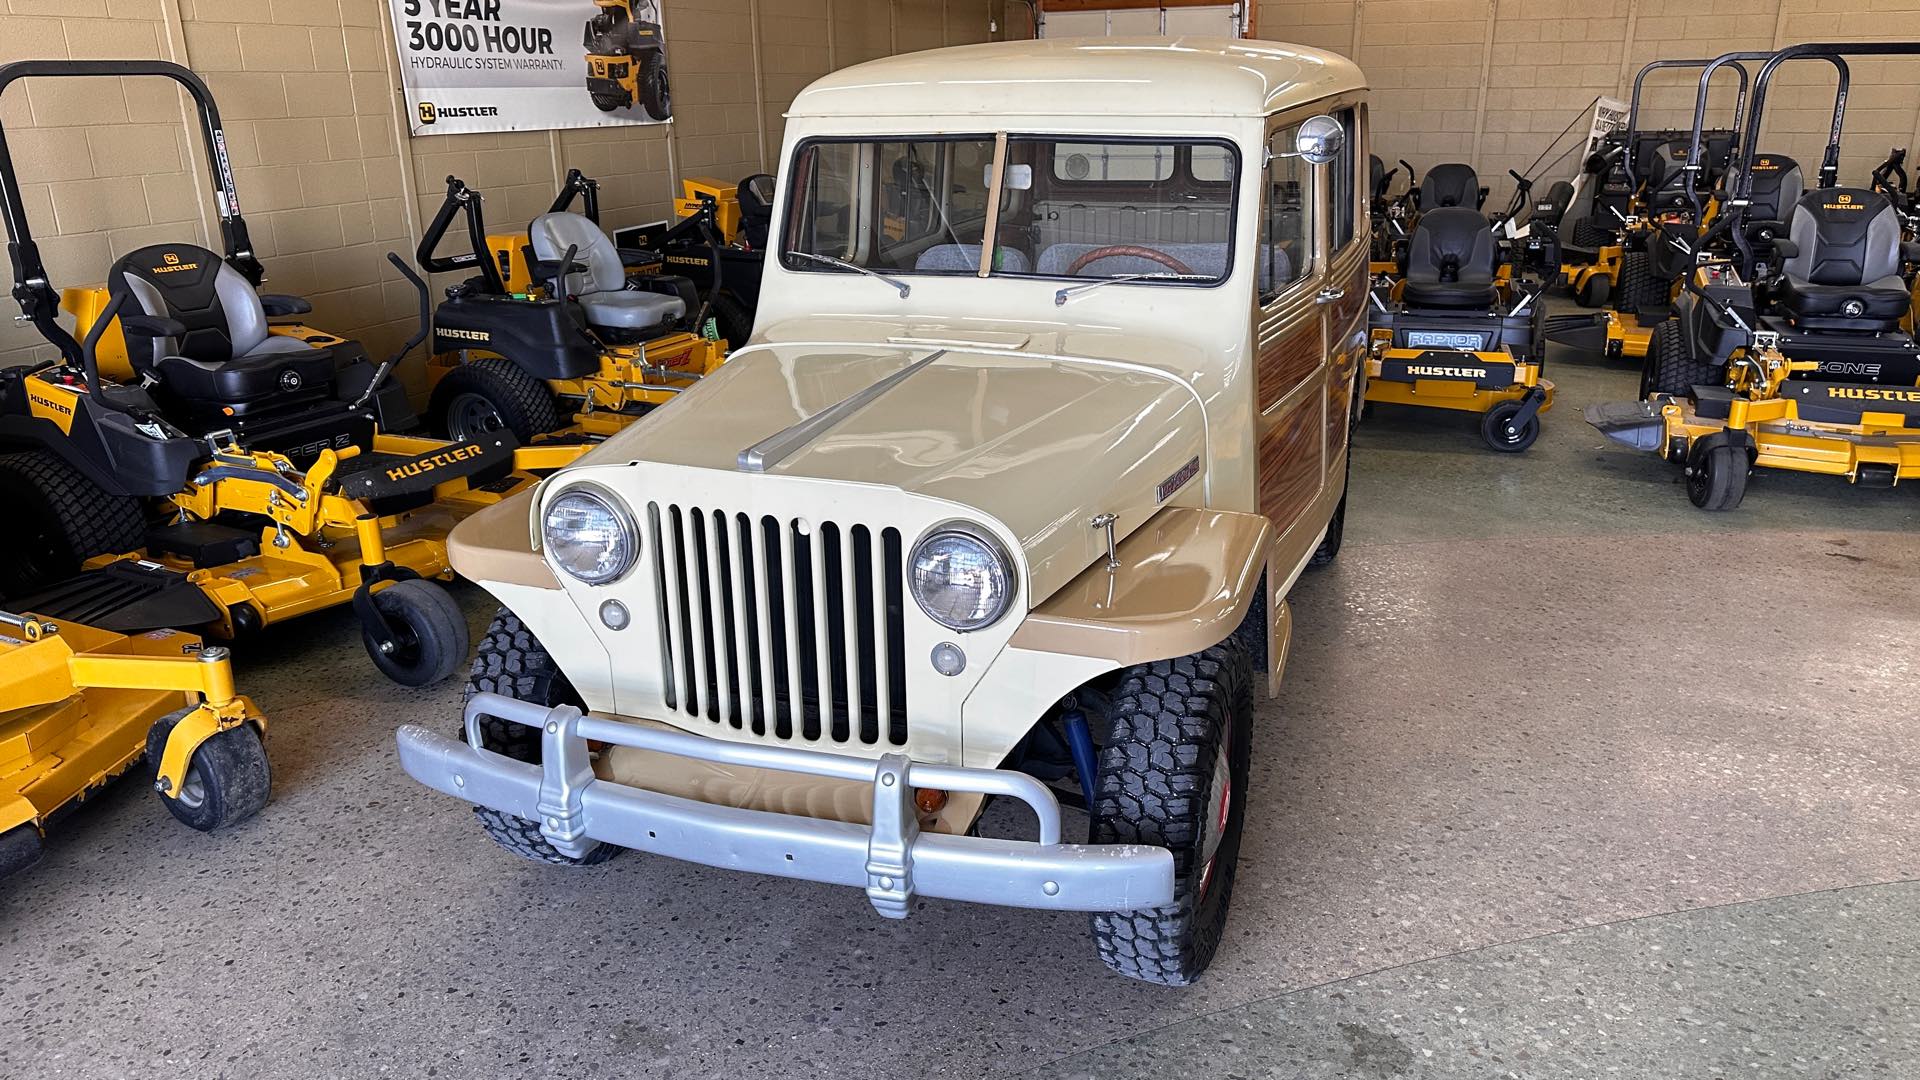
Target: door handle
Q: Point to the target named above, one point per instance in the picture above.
(1329, 295)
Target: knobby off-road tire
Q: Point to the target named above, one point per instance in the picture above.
(1173, 774)
(512, 663)
(58, 519)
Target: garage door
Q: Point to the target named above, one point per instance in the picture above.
(1208, 20)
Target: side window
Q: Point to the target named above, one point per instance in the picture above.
(1286, 219)
(967, 185)
(907, 191)
(1344, 173)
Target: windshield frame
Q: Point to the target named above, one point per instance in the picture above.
(792, 258)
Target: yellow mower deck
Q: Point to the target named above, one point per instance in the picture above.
(1782, 440)
(81, 701)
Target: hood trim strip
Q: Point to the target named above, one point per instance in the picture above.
(782, 444)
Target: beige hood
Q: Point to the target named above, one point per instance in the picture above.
(1040, 444)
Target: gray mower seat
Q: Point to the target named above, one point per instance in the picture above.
(601, 288)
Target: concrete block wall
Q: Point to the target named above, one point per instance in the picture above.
(330, 180)
(1492, 82)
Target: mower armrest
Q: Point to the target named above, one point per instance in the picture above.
(636, 258)
(152, 326)
(1785, 248)
(280, 304)
(551, 270)
(1910, 251)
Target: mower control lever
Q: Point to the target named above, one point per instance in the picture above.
(419, 333)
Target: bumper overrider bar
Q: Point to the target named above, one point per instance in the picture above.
(891, 859)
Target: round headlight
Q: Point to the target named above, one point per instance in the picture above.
(961, 577)
(590, 535)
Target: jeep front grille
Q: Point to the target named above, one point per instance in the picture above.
(780, 628)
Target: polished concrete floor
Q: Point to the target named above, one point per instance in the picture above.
(1567, 779)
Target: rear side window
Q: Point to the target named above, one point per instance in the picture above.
(1343, 174)
(1286, 216)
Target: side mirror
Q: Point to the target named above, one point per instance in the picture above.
(1319, 140)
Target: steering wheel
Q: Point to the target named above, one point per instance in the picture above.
(1099, 253)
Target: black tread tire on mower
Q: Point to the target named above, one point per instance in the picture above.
(1156, 783)
(228, 778)
(438, 629)
(607, 102)
(656, 98)
(1493, 429)
(1595, 293)
(732, 318)
(1671, 369)
(512, 663)
(61, 520)
(524, 404)
(1640, 289)
(1717, 476)
(1588, 233)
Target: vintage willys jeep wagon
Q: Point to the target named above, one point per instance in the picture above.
(1048, 406)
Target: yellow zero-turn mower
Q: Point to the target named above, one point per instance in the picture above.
(558, 328)
(252, 458)
(82, 704)
(1451, 336)
(718, 238)
(627, 58)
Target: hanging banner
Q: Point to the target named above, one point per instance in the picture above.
(521, 65)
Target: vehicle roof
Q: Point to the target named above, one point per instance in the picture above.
(1109, 76)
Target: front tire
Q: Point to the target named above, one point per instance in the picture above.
(228, 778)
(1595, 291)
(1717, 475)
(1173, 773)
(1501, 435)
(482, 396)
(655, 96)
(430, 633)
(513, 663)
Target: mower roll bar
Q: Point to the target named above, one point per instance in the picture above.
(39, 302)
(1640, 79)
(1749, 137)
(1831, 52)
(584, 186)
(460, 199)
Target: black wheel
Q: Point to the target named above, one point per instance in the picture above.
(1595, 291)
(654, 95)
(227, 778)
(1588, 233)
(430, 633)
(513, 663)
(1716, 475)
(58, 519)
(1640, 288)
(1329, 548)
(1500, 433)
(20, 848)
(485, 395)
(735, 321)
(1670, 368)
(1173, 774)
(608, 102)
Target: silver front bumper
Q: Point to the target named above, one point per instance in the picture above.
(891, 859)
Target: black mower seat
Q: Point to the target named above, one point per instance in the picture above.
(1451, 261)
(1777, 186)
(756, 209)
(1845, 270)
(1451, 183)
(226, 357)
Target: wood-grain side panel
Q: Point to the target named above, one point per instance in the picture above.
(1287, 360)
(1346, 333)
(1289, 460)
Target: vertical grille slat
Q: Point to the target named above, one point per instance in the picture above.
(781, 628)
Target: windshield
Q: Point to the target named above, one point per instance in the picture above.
(1152, 212)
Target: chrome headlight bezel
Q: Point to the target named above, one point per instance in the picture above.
(985, 538)
(624, 521)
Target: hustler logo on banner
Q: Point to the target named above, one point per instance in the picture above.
(522, 65)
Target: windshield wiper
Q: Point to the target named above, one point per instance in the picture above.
(856, 268)
(1068, 293)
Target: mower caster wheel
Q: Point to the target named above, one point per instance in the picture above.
(227, 778)
(1595, 292)
(429, 633)
(1717, 475)
(1501, 435)
(19, 849)
(1173, 773)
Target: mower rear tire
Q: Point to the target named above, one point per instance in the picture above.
(1670, 368)
(1640, 289)
(1717, 475)
(485, 395)
(1501, 436)
(228, 778)
(1173, 773)
(734, 321)
(513, 663)
(431, 637)
(1588, 233)
(60, 520)
(655, 97)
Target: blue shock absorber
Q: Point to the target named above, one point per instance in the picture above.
(1080, 745)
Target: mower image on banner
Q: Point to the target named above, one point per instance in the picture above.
(627, 58)
(84, 704)
(559, 314)
(1451, 335)
(1810, 366)
(251, 458)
